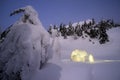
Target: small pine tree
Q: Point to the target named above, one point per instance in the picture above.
(61, 28)
(78, 30)
(70, 30)
(50, 30)
(112, 23)
(93, 21)
(85, 24)
(55, 27)
(64, 32)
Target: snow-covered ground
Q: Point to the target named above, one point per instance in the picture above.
(61, 68)
(28, 45)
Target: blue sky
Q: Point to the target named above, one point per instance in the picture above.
(57, 11)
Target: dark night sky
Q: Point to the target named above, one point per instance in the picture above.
(57, 11)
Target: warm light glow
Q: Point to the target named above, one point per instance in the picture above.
(82, 56)
(78, 55)
(91, 58)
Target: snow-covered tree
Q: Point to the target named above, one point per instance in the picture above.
(50, 29)
(70, 31)
(55, 44)
(29, 15)
(27, 47)
(78, 30)
(93, 21)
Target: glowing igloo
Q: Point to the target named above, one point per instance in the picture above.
(81, 56)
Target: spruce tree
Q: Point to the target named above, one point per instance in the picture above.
(70, 29)
(50, 30)
(93, 21)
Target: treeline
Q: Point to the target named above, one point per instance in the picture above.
(89, 29)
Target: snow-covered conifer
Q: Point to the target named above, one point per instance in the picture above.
(25, 48)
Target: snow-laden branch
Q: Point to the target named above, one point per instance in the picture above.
(29, 15)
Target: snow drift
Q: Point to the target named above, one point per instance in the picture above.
(25, 48)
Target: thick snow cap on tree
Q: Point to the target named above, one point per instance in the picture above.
(25, 47)
(29, 15)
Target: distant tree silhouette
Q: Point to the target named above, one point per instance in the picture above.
(64, 33)
(78, 30)
(50, 29)
(55, 27)
(63, 30)
(70, 29)
(93, 21)
(92, 29)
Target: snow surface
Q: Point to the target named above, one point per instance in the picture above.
(65, 69)
(27, 44)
